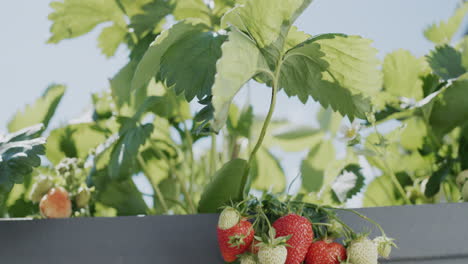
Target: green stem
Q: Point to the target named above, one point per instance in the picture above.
(383, 155)
(187, 139)
(179, 179)
(213, 154)
(260, 138)
(365, 218)
(156, 189)
(187, 196)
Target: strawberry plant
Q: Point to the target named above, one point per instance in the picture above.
(168, 118)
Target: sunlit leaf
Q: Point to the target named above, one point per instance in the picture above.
(335, 70)
(40, 112)
(73, 141)
(444, 31)
(241, 60)
(314, 165)
(267, 173)
(402, 74)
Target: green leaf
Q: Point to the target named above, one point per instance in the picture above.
(464, 52)
(196, 9)
(436, 179)
(267, 26)
(297, 139)
(444, 31)
(124, 196)
(431, 84)
(150, 17)
(74, 18)
(267, 173)
(402, 74)
(240, 124)
(335, 70)
(329, 121)
(124, 154)
(184, 57)
(314, 165)
(73, 141)
(41, 111)
(449, 109)
(110, 39)
(379, 193)
(241, 60)
(224, 187)
(294, 38)
(446, 62)
(170, 191)
(18, 156)
(412, 136)
(348, 183)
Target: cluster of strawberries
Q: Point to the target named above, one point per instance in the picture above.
(56, 201)
(290, 240)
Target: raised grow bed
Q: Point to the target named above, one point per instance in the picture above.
(426, 234)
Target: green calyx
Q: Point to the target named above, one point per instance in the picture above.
(384, 245)
(236, 240)
(271, 240)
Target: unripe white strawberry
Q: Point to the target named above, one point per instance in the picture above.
(462, 178)
(362, 251)
(384, 246)
(56, 204)
(248, 259)
(83, 197)
(229, 217)
(465, 192)
(272, 255)
(40, 188)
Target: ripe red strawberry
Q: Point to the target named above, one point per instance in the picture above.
(56, 204)
(233, 238)
(326, 252)
(301, 233)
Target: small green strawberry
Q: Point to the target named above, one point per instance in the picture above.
(335, 229)
(83, 197)
(273, 250)
(465, 192)
(384, 245)
(40, 188)
(362, 251)
(248, 259)
(462, 178)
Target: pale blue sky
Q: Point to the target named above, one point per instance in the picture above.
(28, 64)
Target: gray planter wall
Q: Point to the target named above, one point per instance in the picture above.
(426, 234)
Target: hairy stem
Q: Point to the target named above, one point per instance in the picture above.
(213, 154)
(257, 146)
(191, 205)
(156, 189)
(383, 155)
